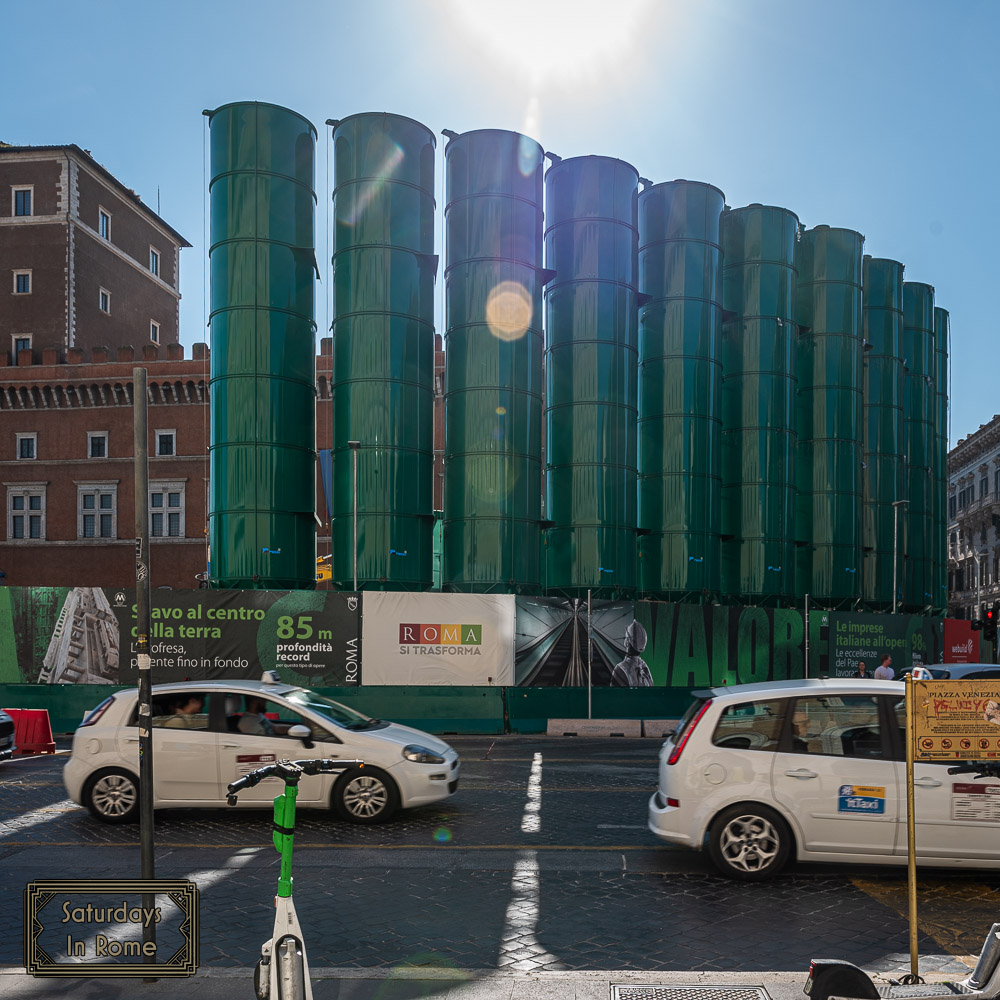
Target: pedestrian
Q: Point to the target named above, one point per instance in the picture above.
(884, 671)
(862, 670)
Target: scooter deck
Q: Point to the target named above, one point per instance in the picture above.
(927, 991)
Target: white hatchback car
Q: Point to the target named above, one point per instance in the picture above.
(813, 769)
(207, 734)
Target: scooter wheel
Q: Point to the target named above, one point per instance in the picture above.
(262, 980)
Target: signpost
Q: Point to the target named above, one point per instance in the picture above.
(948, 721)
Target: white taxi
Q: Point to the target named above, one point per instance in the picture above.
(815, 770)
(207, 734)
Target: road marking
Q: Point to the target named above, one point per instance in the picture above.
(520, 923)
(619, 826)
(531, 820)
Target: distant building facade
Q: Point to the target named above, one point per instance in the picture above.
(974, 521)
(83, 262)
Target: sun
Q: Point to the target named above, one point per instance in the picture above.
(544, 41)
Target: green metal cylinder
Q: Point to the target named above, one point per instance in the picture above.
(884, 478)
(591, 303)
(919, 421)
(942, 343)
(830, 414)
(262, 527)
(493, 363)
(680, 373)
(383, 352)
(759, 348)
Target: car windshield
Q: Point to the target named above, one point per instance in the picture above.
(349, 718)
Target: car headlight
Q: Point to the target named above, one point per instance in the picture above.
(421, 755)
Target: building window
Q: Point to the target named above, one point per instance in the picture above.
(21, 343)
(105, 301)
(22, 282)
(27, 445)
(984, 486)
(154, 331)
(166, 442)
(154, 262)
(104, 224)
(97, 444)
(166, 510)
(97, 510)
(26, 511)
(21, 199)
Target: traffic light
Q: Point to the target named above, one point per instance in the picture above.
(990, 622)
(976, 624)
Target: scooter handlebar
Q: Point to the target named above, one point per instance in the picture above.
(289, 770)
(981, 768)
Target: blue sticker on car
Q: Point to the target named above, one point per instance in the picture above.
(861, 799)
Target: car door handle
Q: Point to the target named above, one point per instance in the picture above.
(801, 772)
(230, 746)
(927, 782)
(131, 739)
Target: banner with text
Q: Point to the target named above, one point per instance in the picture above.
(911, 640)
(439, 639)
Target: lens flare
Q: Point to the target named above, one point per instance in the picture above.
(369, 187)
(442, 835)
(509, 311)
(501, 411)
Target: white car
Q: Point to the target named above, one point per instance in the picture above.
(207, 734)
(813, 769)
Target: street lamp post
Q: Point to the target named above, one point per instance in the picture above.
(354, 446)
(979, 584)
(896, 504)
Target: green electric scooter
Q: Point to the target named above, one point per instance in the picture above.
(283, 970)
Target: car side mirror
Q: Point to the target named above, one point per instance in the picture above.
(303, 733)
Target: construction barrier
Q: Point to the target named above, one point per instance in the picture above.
(32, 730)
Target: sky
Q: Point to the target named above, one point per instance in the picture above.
(874, 115)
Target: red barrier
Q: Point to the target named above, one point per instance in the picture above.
(32, 730)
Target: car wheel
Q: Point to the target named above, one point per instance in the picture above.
(113, 796)
(365, 795)
(749, 842)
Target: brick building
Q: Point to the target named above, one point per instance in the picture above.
(67, 470)
(83, 262)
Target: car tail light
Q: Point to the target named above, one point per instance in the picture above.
(674, 802)
(90, 719)
(679, 749)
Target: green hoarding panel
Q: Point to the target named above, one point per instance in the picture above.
(591, 365)
(493, 363)
(919, 421)
(759, 343)
(680, 372)
(383, 352)
(830, 414)
(884, 479)
(263, 380)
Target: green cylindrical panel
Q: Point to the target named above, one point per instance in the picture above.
(591, 303)
(830, 414)
(942, 342)
(680, 373)
(262, 262)
(884, 473)
(383, 352)
(493, 363)
(919, 419)
(759, 346)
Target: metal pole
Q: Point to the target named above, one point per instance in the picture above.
(807, 635)
(979, 588)
(354, 446)
(895, 545)
(145, 693)
(590, 652)
(911, 840)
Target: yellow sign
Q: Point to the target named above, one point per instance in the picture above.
(95, 927)
(956, 720)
